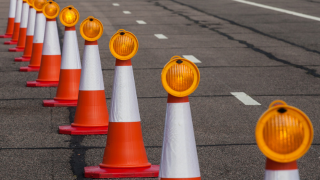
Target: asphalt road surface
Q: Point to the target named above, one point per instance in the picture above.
(264, 52)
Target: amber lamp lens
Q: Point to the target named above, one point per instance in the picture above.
(123, 45)
(283, 133)
(51, 10)
(180, 77)
(39, 3)
(91, 29)
(30, 2)
(69, 16)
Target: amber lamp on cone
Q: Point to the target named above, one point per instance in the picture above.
(38, 4)
(51, 9)
(123, 45)
(69, 16)
(284, 133)
(91, 29)
(180, 77)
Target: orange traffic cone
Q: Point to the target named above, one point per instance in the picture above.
(23, 28)
(283, 171)
(182, 165)
(92, 114)
(10, 25)
(70, 71)
(51, 54)
(29, 37)
(37, 45)
(16, 29)
(124, 155)
(51, 58)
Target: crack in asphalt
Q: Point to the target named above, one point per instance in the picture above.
(250, 46)
(77, 159)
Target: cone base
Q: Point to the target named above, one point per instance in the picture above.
(16, 49)
(42, 83)
(10, 42)
(60, 103)
(98, 172)
(6, 36)
(22, 59)
(75, 130)
(29, 69)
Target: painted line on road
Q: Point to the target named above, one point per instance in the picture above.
(279, 10)
(115, 4)
(192, 58)
(141, 22)
(245, 99)
(126, 12)
(161, 36)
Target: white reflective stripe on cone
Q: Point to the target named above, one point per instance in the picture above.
(51, 44)
(91, 73)
(282, 175)
(24, 15)
(70, 51)
(179, 157)
(124, 102)
(12, 10)
(17, 19)
(31, 21)
(40, 26)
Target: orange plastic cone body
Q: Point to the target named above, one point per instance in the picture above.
(29, 36)
(91, 110)
(125, 154)
(23, 29)
(16, 26)
(92, 114)
(50, 68)
(125, 147)
(10, 28)
(51, 58)
(11, 17)
(37, 46)
(68, 88)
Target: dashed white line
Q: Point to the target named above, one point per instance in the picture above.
(245, 99)
(192, 58)
(126, 12)
(141, 22)
(279, 10)
(161, 36)
(115, 4)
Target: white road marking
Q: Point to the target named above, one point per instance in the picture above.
(141, 22)
(126, 12)
(192, 58)
(161, 36)
(244, 98)
(280, 10)
(115, 4)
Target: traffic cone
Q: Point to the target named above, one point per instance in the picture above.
(179, 137)
(29, 37)
(92, 114)
(37, 46)
(10, 25)
(51, 58)
(23, 28)
(281, 171)
(125, 154)
(68, 88)
(16, 29)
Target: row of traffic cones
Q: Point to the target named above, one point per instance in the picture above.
(83, 87)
